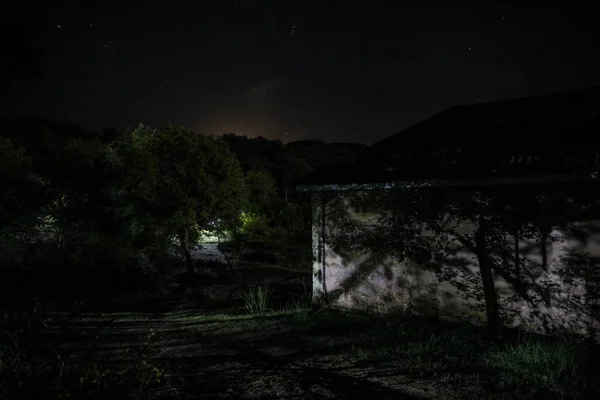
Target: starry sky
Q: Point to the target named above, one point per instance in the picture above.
(293, 70)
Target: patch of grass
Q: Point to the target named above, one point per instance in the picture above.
(536, 365)
(63, 371)
(257, 300)
(301, 302)
(462, 355)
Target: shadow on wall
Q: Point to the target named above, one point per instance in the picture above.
(385, 253)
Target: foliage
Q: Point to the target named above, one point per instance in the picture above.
(514, 366)
(262, 192)
(84, 212)
(62, 373)
(183, 182)
(533, 364)
(256, 300)
(185, 178)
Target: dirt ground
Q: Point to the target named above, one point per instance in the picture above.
(244, 357)
(212, 349)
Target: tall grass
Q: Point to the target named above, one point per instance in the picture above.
(534, 365)
(257, 300)
(523, 366)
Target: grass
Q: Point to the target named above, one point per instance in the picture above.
(227, 355)
(269, 344)
(536, 365)
(257, 300)
(461, 356)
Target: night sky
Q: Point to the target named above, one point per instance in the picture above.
(336, 70)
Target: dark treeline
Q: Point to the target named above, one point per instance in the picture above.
(83, 210)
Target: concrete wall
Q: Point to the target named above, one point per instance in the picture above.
(545, 298)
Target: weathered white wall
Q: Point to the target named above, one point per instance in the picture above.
(381, 283)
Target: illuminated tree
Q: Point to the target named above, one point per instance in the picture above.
(184, 182)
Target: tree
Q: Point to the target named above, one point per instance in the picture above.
(262, 192)
(185, 182)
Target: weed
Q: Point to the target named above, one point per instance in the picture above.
(534, 365)
(301, 302)
(256, 299)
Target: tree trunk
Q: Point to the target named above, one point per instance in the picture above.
(184, 244)
(487, 278)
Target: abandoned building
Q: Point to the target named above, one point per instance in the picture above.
(401, 226)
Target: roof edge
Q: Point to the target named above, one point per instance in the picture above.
(593, 176)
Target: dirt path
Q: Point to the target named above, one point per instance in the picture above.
(215, 356)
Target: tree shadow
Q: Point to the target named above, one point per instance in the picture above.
(379, 251)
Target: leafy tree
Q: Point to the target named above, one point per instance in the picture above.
(262, 192)
(184, 182)
(63, 169)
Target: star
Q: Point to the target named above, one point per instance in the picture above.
(58, 26)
